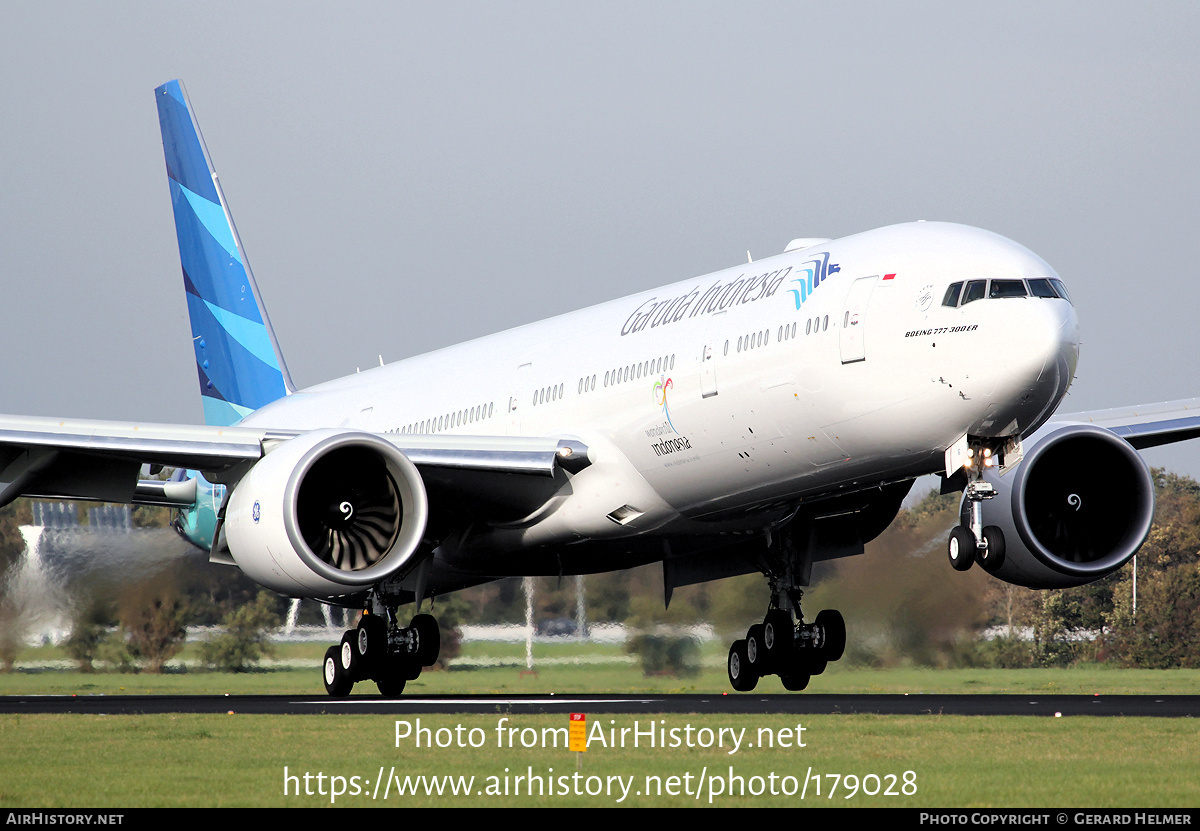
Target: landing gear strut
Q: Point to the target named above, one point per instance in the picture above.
(382, 651)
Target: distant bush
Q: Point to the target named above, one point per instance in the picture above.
(154, 628)
(84, 643)
(667, 654)
(114, 652)
(245, 639)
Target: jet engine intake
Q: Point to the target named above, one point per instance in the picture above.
(1076, 508)
(327, 513)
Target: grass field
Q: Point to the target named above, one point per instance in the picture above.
(933, 761)
(928, 761)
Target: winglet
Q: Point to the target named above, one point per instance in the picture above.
(240, 365)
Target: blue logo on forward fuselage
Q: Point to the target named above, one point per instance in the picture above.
(812, 274)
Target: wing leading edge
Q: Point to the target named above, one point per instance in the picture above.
(101, 460)
(1146, 425)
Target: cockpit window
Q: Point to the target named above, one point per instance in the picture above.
(1049, 287)
(975, 291)
(1041, 287)
(1007, 288)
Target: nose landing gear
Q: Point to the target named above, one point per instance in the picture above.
(975, 542)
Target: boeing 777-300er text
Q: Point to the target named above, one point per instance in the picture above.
(757, 419)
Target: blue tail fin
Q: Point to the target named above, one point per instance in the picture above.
(237, 356)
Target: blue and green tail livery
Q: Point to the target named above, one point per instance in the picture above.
(237, 356)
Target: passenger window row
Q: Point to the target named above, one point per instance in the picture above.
(640, 370)
(547, 394)
(786, 332)
(470, 415)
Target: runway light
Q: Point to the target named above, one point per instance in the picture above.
(1058, 715)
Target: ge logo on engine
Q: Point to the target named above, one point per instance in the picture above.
(256, 512)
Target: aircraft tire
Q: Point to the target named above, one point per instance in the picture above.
(992, 557)
(756, 650)
(429, 639)
(348, 657)
(778, 636)
(337, 683)
(741, 677)
(371, 644)
(794, 681)
(834, 624)
(961, 548)
(392, 676)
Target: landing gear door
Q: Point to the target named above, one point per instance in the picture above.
(853, 333)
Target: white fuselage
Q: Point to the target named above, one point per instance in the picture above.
(832, 368)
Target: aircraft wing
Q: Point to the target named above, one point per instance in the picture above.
(100, 460)
(1147, 425)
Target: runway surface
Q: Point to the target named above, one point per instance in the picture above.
(1166, 706)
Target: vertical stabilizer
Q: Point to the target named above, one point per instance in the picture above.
(238, 359)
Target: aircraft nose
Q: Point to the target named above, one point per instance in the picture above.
(1061, 341)
(1046, 353)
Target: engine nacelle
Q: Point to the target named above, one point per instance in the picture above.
(328, 513)
(1076, 508)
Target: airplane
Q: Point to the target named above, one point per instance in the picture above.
(757, 419)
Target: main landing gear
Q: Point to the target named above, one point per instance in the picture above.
(783, 644)
(380, 650)
(795, 651)
(972, 541)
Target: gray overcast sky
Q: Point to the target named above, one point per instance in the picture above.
(408, 175)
